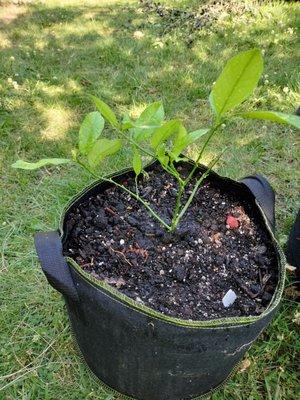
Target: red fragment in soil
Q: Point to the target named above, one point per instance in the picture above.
(110, 211)
(232, 222)
(138, 251)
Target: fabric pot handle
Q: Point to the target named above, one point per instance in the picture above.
(49, 249)
(264, 194)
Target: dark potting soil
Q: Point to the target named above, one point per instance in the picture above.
(219, 245)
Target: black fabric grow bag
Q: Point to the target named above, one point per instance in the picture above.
(142, 353)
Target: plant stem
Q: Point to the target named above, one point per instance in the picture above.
(183, 184)
(136, 185)
(192, 195)
(191, 174)
(143, 150)
(132, 194)
(130, 140)
(177, 207)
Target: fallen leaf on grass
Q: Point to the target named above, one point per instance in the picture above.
(292, 292)
(245, 365)
(296, 319)
(290, 268)
(138, 34)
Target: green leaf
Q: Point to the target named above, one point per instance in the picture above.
(90, 130)
(161, 155)
(41, 163)
(162, 133)
(237, 81)
(149, 120)
(183, 140)
(106, 112)
(152, 115)
(137, 162)
(143, 133)
(274, 116)
(103, 148)
(195, 135)
(179, 142)
(127, 122)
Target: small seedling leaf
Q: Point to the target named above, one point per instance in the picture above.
(195, 135)
(237, 81)
(127, 122)
(106, 111)
(90, 130)
(137, 162)
(161, 155)
(152, 115)
(162, 133)
(41, 163)
(149, 120)
(274, 116)
(184, 139)
(179, 142)
(101, 149)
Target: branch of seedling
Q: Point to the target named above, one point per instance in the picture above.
(132, 194)
(171, 169)
(151, 137)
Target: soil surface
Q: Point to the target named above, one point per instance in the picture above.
(219, 245)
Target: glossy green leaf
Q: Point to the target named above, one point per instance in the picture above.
(178, 142)
(185, 139)
(152, 115)
(161, 155)
(274, 116)
(90, 130)
(142, 133)
(237, 81)
(137, 162)
(101, 149)
(149, 120)
(164, 132)
(106, 112)
(41, 163)
(127, 122)
(195, 135)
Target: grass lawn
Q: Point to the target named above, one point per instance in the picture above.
(56, 52)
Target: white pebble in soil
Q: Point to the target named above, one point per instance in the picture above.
(229, 298)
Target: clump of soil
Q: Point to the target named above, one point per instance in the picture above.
(219, 245)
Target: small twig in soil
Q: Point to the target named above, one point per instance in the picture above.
(139, 251)
(121, 254)
(260, 277)
(85, 265)
(265, 279)
(246, 290)
(110, 211)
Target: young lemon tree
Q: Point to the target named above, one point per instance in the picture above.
(150, 135)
